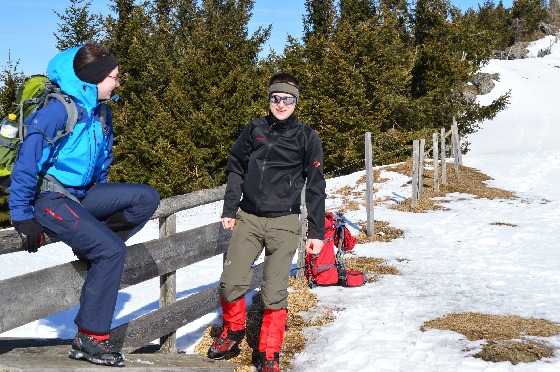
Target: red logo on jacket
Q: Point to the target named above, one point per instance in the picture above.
(316, 164)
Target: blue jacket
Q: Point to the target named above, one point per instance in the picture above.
(78, 160)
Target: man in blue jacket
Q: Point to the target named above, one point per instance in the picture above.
(62, 189)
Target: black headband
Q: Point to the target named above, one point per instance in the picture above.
(96, 71)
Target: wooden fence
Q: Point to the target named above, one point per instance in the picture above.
(418, 154)
(38, 294)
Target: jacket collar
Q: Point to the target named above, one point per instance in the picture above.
(281, 125)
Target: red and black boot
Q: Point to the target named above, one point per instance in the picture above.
(271, 338)
(234, 314)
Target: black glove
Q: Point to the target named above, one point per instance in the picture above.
(31, 234)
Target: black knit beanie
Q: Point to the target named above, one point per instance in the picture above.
(96, 71)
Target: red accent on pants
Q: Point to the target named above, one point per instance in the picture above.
(94, 335)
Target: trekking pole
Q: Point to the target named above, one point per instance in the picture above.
(340, 232)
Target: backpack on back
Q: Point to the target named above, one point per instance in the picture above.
(327, 267)
(34, 93)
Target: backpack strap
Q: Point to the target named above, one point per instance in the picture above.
(6, 143)
(71, 110)
(103, 117)
(49, 183)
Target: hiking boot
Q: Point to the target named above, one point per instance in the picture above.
(228, 341)
(269, 365)
(95, 351)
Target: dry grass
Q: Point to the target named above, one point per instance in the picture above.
(382, 232)
(349, 205)
(506, 335)
(348, 194)
(300, 300)
(303, 312)
(467, 181)
(376, 178)
(372, 267)
(514, 351)
(503, 224)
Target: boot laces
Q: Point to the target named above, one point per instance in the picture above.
(271, 366)
(223, 337)
(102, 344)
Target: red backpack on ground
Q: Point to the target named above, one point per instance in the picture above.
(327, 268)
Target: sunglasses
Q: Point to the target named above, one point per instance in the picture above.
(287, 100)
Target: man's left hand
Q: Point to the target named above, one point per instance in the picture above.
(313, 246)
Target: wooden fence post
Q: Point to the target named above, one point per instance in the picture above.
(459, 154)
(421, 167)
(455, 146)
(168, 285)
(300, 273)
(369, 187)
(415, 149)
(435, 158)
(443, 165)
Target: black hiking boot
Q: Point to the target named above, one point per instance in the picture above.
(228, 341)
(95, 351)
(269, 365)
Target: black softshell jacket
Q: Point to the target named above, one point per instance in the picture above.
(267, 168)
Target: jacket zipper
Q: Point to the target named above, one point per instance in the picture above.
(266, 157)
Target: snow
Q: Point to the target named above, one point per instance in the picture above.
(499, 257)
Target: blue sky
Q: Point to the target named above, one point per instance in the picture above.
(29, 25)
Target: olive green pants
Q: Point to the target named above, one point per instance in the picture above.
(279, 237)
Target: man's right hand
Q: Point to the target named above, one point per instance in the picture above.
(31, 234)
(228, 223)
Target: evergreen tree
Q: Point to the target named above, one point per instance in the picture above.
(319, 19)
(528, 13)
(355, 11)
(191, 81)
(353, 82)
(78, 25)
(553, 13)
(10, 78)
(495, 22)
(503, 22)
(449, 52)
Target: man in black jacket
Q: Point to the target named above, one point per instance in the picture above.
(268, 166)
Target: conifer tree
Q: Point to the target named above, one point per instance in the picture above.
(78, 25)
(553, 13)
(449, 52)
(528, 13)
(10, 78)
(319, 18)
(191, 81)
(354, 81)
(441, 68)
(502, 26)
(495, 21)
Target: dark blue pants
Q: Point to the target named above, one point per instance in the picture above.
(82, 228)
